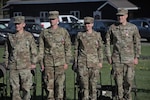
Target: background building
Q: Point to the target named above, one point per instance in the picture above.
(103, 9)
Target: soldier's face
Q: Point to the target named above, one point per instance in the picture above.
(88, 26)
(20, 26)
(122, 18)
(54, 21)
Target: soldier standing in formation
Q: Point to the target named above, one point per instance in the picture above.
(20, 52)
(125, 40)
(55, 55)
(88, 59)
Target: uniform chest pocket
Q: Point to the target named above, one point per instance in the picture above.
(24, 45)
(59, 40)
(54, 40)
(48, 39)
(128, 35)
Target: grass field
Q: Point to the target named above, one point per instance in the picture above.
(142, 76)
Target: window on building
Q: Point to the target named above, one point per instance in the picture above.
(17, 14)
(44, 15)
(97, 15)
(75, 13)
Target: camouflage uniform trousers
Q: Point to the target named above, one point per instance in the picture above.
(123, 76)
(54, 78)
(21, 79)
(88, 82)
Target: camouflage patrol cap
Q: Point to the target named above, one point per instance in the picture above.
(53, 14)
(122, 11)
(19, 19)
(88, 20)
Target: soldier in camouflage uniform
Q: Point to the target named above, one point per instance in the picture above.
(55, 55)
(125, 40)
(88, 59)
(21, 52)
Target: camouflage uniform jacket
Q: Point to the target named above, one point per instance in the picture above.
(20, 51)
(56, 45)
(125, 40)
(88, 49)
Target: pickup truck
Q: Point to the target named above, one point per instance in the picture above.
(64, 19)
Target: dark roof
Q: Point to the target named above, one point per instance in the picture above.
(11, 2)
(115, 3)
(120, 4)
(48, 1)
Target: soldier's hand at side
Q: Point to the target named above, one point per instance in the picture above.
(65, 66)
(109, 60)
(33, 66)
(100, 65)
(136, 61)
(42, 68)
(6, 65)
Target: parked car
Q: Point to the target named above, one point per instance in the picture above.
(143, 24)
(73, 29)
(2, 40)
(2, 25)
(5, 21)
(64, 19)
(102, 26)
(4, 31)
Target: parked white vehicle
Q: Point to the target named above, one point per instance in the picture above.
(64, 18)
(69, 19)
(5, 21)
(45, 24)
